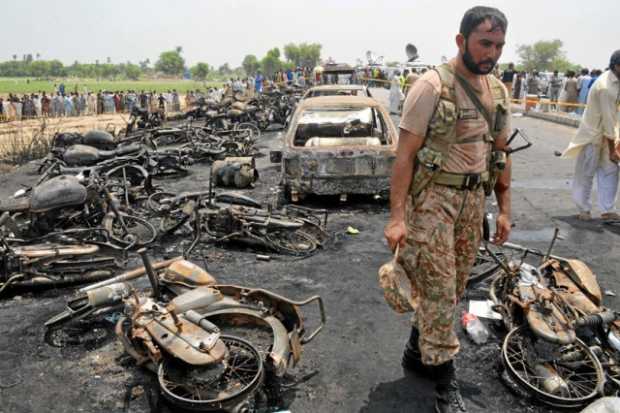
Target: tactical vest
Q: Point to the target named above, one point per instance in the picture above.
(441, 136)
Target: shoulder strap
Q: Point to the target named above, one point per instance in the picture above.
(446, 77)
(471, 93)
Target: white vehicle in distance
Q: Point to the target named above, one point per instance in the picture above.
(337, 90)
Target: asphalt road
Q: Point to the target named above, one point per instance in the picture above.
(357, 356)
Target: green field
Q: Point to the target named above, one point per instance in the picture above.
(26, 85)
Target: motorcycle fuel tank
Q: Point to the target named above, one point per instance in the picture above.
(61, 191)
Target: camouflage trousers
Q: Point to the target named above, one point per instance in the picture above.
(444, 226)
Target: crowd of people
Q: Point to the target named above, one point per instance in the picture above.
(66, 104)
(567, 92)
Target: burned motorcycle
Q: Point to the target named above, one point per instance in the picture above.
(230, 217)
(142, 119)
(213, 347)
(52, 262)
(83, 210)
(562, 345)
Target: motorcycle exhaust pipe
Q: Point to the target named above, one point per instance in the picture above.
(130, 275)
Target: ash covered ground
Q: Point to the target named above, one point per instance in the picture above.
(357, 356)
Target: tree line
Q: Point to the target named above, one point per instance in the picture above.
(170, 63)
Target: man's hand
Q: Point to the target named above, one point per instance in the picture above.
(502, 229)
(614, 152)
(395, 233)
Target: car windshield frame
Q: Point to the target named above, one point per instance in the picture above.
(373, 121)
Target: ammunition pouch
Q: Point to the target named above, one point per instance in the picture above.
(497, 164)
(428, 164)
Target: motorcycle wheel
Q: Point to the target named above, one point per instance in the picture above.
(576, 376)
(138, 234)
(229, 386)
(255, 131)
(154, 201)
(298, 243)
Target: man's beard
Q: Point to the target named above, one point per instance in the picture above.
(474, 67)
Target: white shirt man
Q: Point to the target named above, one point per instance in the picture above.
(596, 146)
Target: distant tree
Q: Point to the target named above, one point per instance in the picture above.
(271, 62)
(132, 71)
(28, 58)
(292, 53)
(250, 64)
(14, 57)
(171, 62)
(178, 49)
(56, 68)
(108, 60)
(38, 56)
(224, 70)
(144, 65)
(303, 54)
(200, 71)
(543, 55)
(39, 68)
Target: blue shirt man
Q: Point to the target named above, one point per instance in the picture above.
(258, 83)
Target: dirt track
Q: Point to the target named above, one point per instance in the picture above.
(358, 354)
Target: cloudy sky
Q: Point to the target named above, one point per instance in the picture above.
(225, 31)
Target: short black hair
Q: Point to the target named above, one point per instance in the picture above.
(478, 15)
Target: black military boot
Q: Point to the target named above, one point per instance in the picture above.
(447, 394)
(412, 358)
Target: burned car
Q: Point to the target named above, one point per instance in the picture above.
(337, 145)
(337, 90)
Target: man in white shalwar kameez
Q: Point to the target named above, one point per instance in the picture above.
(597, 146)
(395, 94)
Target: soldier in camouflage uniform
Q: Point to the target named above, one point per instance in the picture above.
(451, 151)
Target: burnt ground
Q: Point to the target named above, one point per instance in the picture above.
(357, 356)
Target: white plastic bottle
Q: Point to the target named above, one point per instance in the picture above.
(475, 329)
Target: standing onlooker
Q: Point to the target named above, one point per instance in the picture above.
(258, 82)
(162, 103)
(508, 77)
(99, 103)
(595, 74)
(582, 87)
(18, 108)
(410, 81)
(395, 94)
(596, 146)
(75, 101)
(533, 84)
(117, 102)
(555, 85)
(45, 105)
(1, 109)
(571, 91)
(518, 86)
(176, 102)
(82, 104)
(68, 106)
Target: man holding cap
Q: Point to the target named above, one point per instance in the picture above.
(597, 146)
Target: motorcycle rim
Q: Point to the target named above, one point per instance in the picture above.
(582, 384)
(250, 126)
(139, 231)
(236, 386)
(292, 242)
